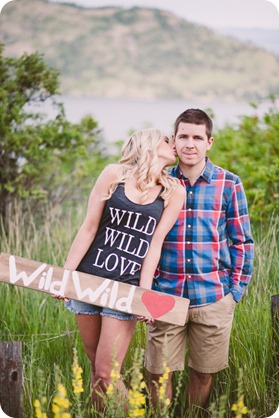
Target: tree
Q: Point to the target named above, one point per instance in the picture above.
(251, 150)
(39, 156)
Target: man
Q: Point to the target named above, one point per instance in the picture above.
(206, 257)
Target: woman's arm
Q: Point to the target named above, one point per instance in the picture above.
(88, 229)
(169, 216)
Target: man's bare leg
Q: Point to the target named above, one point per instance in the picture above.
(153, 386)
(199, 388)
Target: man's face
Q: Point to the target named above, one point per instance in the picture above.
(192, 143)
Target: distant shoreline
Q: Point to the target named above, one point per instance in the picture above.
(117, 116)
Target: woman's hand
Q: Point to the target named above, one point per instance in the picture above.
(60, 298)
(145, 319)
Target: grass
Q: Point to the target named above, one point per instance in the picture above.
(49, 334)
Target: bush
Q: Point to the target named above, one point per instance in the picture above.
(38, 156)
(251, 150)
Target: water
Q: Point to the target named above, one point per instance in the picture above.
(116, 116)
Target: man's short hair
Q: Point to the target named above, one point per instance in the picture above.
(197, 117)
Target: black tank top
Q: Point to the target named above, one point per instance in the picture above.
(123, 238)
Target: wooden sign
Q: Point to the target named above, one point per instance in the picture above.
(96, 290)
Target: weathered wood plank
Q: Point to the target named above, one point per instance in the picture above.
(11, 378)
(96, 290)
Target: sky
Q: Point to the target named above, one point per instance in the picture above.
(213, 13)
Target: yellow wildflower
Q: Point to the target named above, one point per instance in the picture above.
(60, 401)
(109, 389)
(38, 409)
(37, 403)
(136, 398)
(114, 374)
(239, 408)
(138, 413)
(162, 388)
(55, 408)
(77, 372)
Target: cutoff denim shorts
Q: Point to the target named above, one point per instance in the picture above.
(78, 307)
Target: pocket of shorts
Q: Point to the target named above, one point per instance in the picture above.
(231, 301)
(231, 297)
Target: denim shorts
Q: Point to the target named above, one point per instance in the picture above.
(78, 307)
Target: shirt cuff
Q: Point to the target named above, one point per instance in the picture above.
(237, 292)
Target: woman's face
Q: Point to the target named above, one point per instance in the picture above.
(166, 151)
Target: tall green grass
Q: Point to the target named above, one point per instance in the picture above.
(49, 333)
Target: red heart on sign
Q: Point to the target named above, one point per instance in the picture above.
(157, 305)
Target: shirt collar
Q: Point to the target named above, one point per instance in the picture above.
(207, 173)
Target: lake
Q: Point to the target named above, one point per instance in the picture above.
(116, 116)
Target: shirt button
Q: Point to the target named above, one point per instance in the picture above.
(189, 277)
(189, 209)
(191, 192)
(189, 226)
(188, 242)
(189, 260)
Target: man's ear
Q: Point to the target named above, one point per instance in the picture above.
(210, 142)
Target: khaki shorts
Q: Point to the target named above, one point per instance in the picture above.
(207, 332)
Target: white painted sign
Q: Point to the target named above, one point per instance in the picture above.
(96, 290)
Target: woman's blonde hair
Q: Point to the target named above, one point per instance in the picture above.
(139, 158)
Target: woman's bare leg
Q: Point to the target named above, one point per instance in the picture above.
(90, 329)
(113, 344)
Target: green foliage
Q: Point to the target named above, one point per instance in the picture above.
(251, 150)
(38, 156)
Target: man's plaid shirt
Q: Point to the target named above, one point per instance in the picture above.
(209, 251)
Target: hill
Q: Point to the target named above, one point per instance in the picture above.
(137, 53)
(264, 38)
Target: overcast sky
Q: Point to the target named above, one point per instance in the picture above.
(213, 13)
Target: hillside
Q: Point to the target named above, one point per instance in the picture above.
(264, 38)
(137, 53)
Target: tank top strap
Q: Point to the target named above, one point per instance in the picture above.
(160, 192)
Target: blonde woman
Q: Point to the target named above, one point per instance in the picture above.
(131, 208)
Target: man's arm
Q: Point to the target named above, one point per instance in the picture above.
(242, 245)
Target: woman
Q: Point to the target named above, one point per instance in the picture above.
(130, 203)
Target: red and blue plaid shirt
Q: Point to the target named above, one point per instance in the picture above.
(209, 251)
